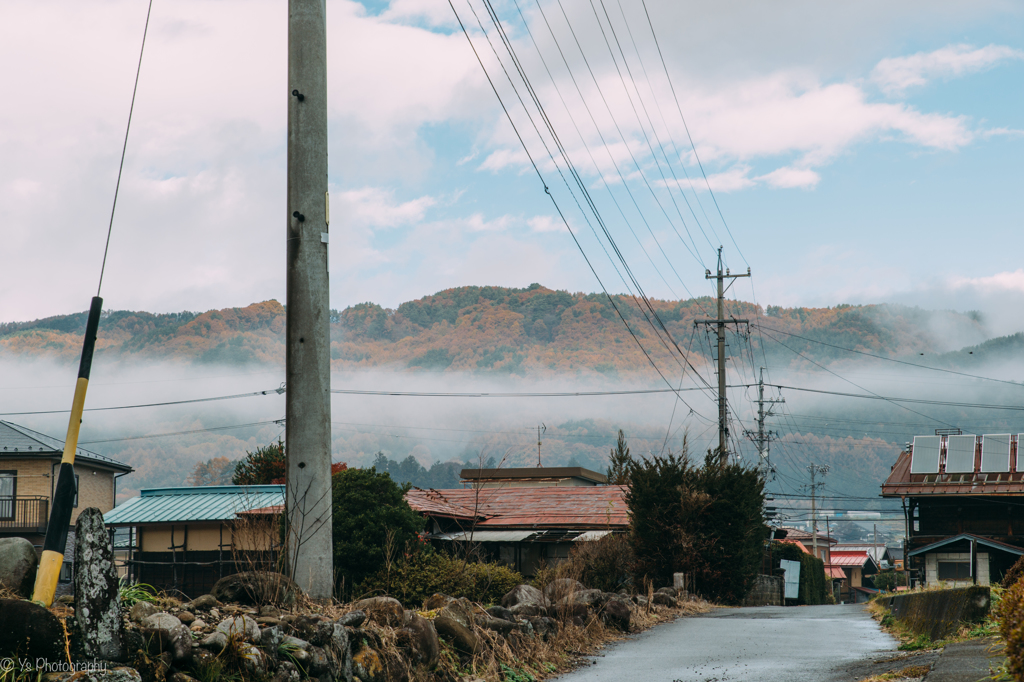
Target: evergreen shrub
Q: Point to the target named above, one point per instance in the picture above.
(1011, 627)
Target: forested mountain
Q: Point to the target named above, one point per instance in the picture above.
(533, 331)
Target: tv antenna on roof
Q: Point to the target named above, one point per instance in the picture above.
(540, 429)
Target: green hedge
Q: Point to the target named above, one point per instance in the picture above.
(814, 586)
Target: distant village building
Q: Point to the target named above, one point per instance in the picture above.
(526, 517)
(185, 539)
(962, 497)
(29, 463)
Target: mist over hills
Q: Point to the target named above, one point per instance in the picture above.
(533, 338)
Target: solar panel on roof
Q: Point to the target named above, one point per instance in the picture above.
(960, 454)
(925, 458)
(995, 452)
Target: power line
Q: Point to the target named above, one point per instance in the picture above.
(162, 404)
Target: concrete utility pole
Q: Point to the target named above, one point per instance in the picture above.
(542, 428)
(815, 469)
(761, 437)
(308, 359)
(719, 323)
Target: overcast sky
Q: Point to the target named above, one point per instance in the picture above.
(859, 152)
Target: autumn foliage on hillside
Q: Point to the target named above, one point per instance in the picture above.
(499, 330)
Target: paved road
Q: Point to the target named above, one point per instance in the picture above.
(764, 644)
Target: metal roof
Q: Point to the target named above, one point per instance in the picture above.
(534, 474)
(581, 507)
(849, 558)
(19, 440)
(987, 542)
(902, 482)
(199, 503)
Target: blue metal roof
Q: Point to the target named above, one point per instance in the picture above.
(198, 503)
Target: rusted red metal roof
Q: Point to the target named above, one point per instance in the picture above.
(848, 558)
(903, 483)
(542, 507)
(835, 572)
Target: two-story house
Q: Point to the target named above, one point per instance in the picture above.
(29, 463)
(963, 496)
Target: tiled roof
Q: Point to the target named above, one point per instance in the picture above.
(901, 482)
(199, 503)
(16, 439)
(577, 507)
(806, 537)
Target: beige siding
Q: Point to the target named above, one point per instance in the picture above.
(95, 489)
(202, 537)
(33, 476)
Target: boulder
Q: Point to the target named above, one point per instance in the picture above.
(165, 633)
(334, 640)
(589, 598)
(216, 641)
(270, 638)
(527, 610)
(499, 625)
(206, 601)
(353, 619)
(319, 663)
(141, 610)
(269, 611)
(436, 601)
(419, 638)
(256, 587)
(523, 594)
(253, 659)
(294, 643)
(367, 665)
(501, 612)
(286, 672)
(663, 599)
(30, 631)
(455, 623)
(670, 591)
(543, 626)
(186, 618)
(559, 589)
(241, 628)
(616, 614)
(382, 610)
(18, 563)
(570, 610)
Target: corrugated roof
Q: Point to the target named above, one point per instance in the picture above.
(545, 507)
(848, 558)
(987, 542)
(17, 439)
(199, 503)
(835, 572)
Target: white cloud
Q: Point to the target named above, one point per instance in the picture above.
(545, 223)
(376, 207)
(894, 75)
(999, 282)
(788, 177)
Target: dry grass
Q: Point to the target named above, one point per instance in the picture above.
(911, 672)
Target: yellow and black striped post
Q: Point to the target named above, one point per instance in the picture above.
(64, 493)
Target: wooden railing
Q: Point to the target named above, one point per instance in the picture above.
(24, 514)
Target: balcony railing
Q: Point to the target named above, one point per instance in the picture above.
(23, 514)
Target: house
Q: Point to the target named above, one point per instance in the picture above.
(29, 464)
(185, 539)
(524, 477)
(856, 564)
(523, 527)
(806, 540)
(961, 497)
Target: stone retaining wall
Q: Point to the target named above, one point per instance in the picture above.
(767, 591)
(938, 613)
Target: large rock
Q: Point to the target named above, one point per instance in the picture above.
(455, 623)
(543, 626)
(663, 599)
(527, 610)
(255, 588)
(522, 595)
(240, 628)
(97, 597)
(419, 638)
(334, 640)
(353, 619)
(163, 632)
(589, 598)
(502, 612)
(499, 625)
(206, 601)
(30, 631)
(120, 674)
(616, 614)
(18, 563)
(382, 610)
(556, 590)
(367, 665)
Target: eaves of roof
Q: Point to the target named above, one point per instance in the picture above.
(19, 441)
(986, 542)
(200, 503)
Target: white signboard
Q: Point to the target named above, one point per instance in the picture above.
(792, 569)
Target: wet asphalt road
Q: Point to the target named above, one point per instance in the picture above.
(764, 644)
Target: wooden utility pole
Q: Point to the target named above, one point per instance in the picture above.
(719, 323)
(308, 359)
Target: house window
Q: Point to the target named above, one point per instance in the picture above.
(954, 570)
(8, 490)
